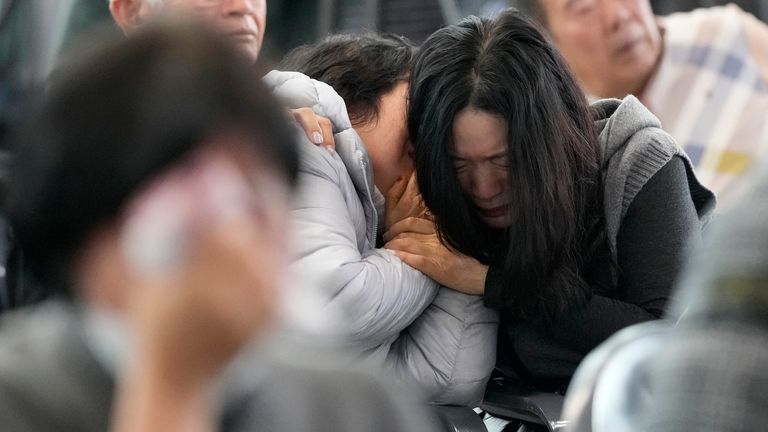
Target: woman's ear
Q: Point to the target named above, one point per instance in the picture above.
(129, 14)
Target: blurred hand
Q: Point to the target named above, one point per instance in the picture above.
(319, 129)
(403, 200)
(415, 241)
(219, 292)
(192, 322)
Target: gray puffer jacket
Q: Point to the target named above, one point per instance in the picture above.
(395, 315)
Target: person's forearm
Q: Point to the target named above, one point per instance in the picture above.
(586, 328)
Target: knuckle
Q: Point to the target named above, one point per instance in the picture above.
(302, 112)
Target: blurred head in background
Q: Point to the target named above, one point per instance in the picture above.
(370, 72)
(241, 21)
(148, 155)
(613, 46)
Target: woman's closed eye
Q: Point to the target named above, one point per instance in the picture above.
(501, 161)
(460, 165)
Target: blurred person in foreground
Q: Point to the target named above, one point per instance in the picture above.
(703, 73)
(395, 315)
(710, 373)
(241, 21)
(151, 191)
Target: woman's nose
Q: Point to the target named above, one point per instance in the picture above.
(485, 185)
(238, 7)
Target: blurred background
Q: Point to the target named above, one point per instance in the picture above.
(27, 51)
(291, 22)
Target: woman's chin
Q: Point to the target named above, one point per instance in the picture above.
(497, 222)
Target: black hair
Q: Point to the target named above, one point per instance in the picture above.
(507, 67)
(117, 117)
(361, 68)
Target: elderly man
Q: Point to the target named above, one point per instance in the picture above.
(242, 21)
(703, 73)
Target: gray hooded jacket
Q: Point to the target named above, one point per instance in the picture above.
(393, 314)
(654, 211)
(634, 148)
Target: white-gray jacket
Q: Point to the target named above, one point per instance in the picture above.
(394, 314)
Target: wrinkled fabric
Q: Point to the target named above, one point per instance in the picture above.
(633, 148)
(393, 314)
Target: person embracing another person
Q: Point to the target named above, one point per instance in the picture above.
(572, 220)
(394, 315)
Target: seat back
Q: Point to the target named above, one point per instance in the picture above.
(610, 390)
(510, 399)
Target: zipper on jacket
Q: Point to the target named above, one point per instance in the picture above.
(372, 231)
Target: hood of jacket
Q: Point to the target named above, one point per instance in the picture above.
(619, 120)
(633, 148)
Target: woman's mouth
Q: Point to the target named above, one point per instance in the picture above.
(494, 212)
(242, 36)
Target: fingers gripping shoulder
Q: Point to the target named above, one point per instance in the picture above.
(297, 90)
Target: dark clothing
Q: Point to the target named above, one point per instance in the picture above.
(652, 244)
(50, 381)
(656, 208)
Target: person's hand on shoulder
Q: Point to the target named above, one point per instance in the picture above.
(415, 241)
(319, 129)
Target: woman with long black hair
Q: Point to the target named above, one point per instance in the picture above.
(572, 220)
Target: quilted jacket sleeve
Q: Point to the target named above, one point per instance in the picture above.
(450, 349)
(443, 339)
(377, 293)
